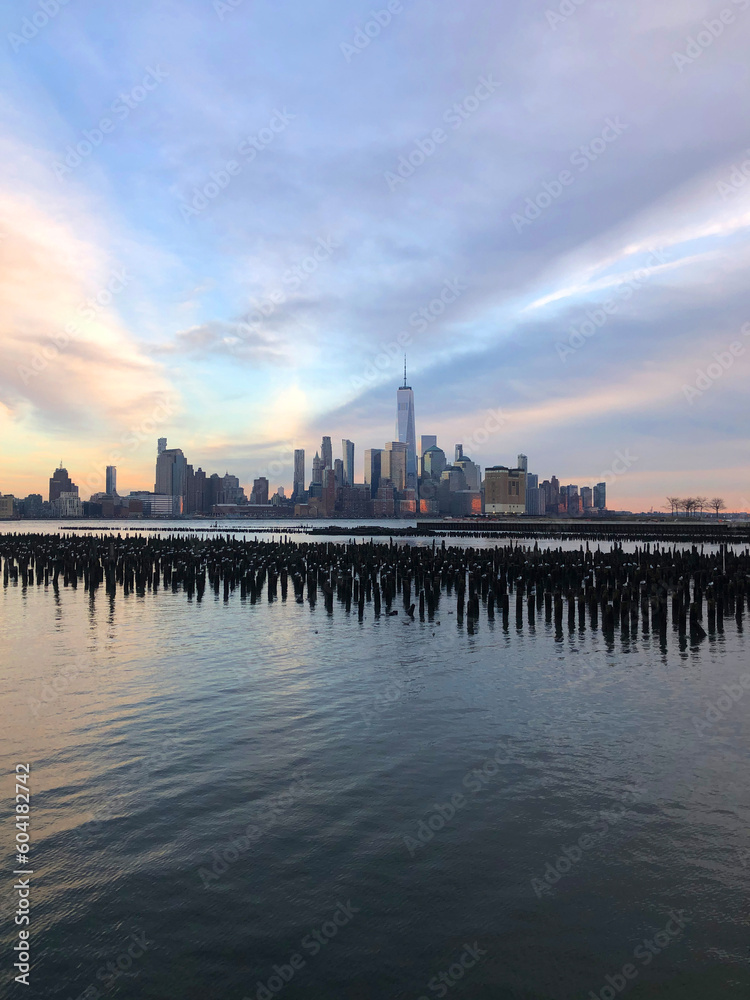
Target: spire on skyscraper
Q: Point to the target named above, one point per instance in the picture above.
(405, 429)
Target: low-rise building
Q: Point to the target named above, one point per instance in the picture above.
(68, 505)
(504, 490)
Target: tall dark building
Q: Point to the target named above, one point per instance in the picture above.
(329, 492)
(348, 456)
(338, 473)
(202, 499)
(260, 491)
(111, 481)
(214, 487)
(171, 475)
(60, 483)
(373, 458)
(326, 453)
(299, 473)
(600, 496)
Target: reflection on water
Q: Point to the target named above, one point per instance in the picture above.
(231, 797)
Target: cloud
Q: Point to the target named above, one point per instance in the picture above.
(235, 340)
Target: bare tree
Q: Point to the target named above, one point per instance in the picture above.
(701, 503)
(674, 504)
(718, 505)
(687, 504)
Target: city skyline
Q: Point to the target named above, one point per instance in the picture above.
(411, 475)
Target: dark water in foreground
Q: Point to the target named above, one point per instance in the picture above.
(247, 794)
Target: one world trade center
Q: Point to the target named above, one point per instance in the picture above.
(406, 430)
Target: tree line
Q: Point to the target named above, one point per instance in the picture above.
(695, 505)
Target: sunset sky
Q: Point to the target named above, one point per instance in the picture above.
(201, 206)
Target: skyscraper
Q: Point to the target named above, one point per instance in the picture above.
(348, 450)
(471, 471)
(329, 492)
(433, 462)
(406, 430)
(372, 469)
(600, 496)
(260, 491)
(394, 464)
(317, 470)
(60, 483)
(523, 463)
(427, 441)
(326, 453)
(338, 472)
(299, 472)
(111, 480)
(161, 445)
(171, 475)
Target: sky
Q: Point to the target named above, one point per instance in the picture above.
(224, 222)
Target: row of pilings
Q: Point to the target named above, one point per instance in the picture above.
(608, 589)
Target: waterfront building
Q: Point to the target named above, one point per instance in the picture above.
(68, 505)
(348, 453)
(433, 462)
(338, 473)
(504, 490)
(326, 453)
(61, 483)
(394, 464)
(406, 430)
(317, 471)
(259, 493)
(299, 474)
(471, 471)
(373, 458)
